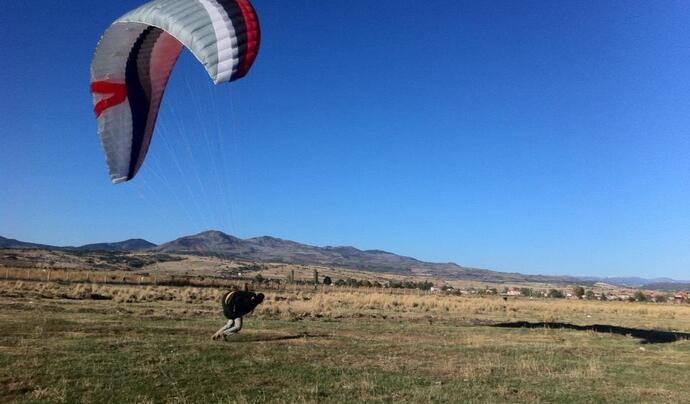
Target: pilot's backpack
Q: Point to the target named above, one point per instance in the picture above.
(239, 303)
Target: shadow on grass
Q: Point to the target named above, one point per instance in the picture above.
(268, 338)
(647, 336)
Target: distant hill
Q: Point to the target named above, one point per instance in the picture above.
(127, 245)
(12, 243)
(633, 281)
(667, 286)
(135, 244)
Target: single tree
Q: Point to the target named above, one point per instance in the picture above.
(640, 296)
(579, 291)
(556, 294)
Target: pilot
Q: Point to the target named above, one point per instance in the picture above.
(236, 305)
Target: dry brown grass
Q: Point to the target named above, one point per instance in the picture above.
(114, 277)
(334, 303)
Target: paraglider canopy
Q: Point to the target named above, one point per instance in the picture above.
(137, 53)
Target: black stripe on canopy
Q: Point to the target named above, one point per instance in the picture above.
(138, 81)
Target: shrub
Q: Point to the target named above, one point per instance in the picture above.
(579, 291)
(556, 294)
(135, 263)
(426, 285)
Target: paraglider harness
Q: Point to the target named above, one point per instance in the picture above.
(238, 303)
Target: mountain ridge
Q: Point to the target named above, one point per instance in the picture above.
(274, 249)
(132, 244)
(129, 245)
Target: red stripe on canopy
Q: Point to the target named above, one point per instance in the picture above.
(253, 35)
(117, 92)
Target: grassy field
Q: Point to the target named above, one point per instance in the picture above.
(152, 344)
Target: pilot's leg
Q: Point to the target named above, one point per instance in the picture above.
(220, 332)
(232, 327)
(235, 328)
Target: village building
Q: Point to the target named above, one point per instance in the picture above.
(681, 297)
(514, 292)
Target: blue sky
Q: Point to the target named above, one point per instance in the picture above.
(538, 137)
